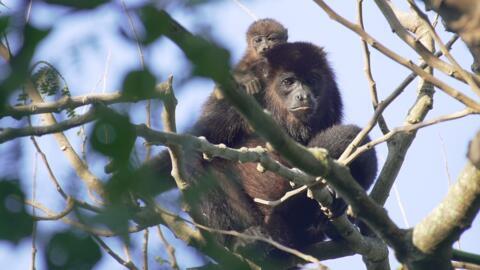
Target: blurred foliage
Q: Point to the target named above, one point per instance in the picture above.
(4, 22)
(20, 62)
(16, 222)
(89, 4)
(73, 251)
(139, 83)
(113, 136)
(208, 60)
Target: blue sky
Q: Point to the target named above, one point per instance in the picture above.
(83, 46)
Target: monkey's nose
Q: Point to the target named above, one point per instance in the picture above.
(301, 97)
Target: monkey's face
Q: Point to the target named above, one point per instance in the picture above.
(262, 43)
(298, 93)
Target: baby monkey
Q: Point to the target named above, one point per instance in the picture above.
(262, 35)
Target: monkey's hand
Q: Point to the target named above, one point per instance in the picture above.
(251, 83)
(253, 86)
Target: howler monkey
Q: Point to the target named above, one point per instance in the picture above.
(303, 98)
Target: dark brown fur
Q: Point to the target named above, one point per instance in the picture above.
(298, 222)
(223, 192)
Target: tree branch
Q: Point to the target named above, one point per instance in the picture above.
(454, 214)
(414, 43)
(14, 133)
(399, 59)
(67, 102)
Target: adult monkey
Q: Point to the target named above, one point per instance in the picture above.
(303, 98)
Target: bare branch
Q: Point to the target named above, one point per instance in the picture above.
(466, 76)
(67, 102)
(66, 211)
(368, 71)
(5, 52)
(383, 105)
(130, 265)
(145, 249)
(82, 226)
(466, 266)
(453, 215)
(399, 59)
(461, 17)
(14, 133)
(277, 245)
(93, 184)
(418, 46)
(169, 248)
(408, 128)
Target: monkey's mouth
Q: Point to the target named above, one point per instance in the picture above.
(300, 109)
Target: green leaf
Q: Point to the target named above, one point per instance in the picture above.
(46, 80)
(16, 222)
(139, 83)
(68, 250)
(78, 4)
(4, 22)
(20, 62)
(208, 59)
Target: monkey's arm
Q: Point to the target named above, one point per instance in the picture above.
(364, 168)
(220, 123)
(336, 139)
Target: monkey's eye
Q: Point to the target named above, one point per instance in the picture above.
(257, 40)
(287, 81)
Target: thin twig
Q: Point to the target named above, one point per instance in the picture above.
(66, 211)
(408, 128)
(114, 255)
(67, 102)
(247, 10)
(128, 254)
(28, 11)
(82, 226)
(399, 59)
(34, 196)
(169, 248)
(368, 71)
(49, 169)
(413, 42)
(400, 205)
(445, 160)
(465, 75)
(279, 246)
(466, 266)
(145, 249)
(132, 27)
(285, 197)
(8, 134)
(142, 64)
